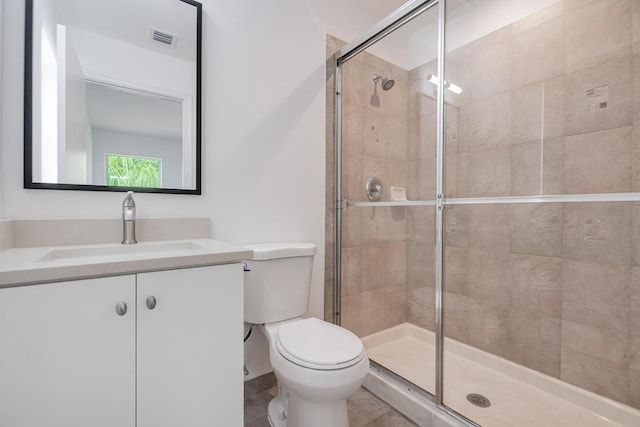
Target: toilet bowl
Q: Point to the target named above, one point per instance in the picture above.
(317, 364)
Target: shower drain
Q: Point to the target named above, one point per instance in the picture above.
(478, 400)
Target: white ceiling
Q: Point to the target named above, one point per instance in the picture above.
(129, 21)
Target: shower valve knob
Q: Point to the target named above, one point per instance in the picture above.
(373, 188)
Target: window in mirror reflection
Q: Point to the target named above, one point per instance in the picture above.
(125, 171)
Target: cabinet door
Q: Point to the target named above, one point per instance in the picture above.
(190, 353)
(66, 357)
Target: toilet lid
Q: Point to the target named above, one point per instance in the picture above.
(316, 344)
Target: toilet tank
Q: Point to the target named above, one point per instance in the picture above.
(277, 286)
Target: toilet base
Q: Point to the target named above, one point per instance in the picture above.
(303, 413)
(276, 413)
(320, 396)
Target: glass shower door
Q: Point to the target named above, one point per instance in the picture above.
(541, 287)
(388, 233)
(537, 241)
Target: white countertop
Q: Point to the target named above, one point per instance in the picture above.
(25, 266)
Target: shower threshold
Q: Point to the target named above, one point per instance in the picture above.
(519, 396)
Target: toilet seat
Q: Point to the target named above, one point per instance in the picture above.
(315, 344)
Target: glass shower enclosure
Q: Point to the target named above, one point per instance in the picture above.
(483, 206)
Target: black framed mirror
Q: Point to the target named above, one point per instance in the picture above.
(112, 95)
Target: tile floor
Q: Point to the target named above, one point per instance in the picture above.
(365, 409)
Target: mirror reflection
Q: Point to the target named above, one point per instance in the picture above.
(113, 95)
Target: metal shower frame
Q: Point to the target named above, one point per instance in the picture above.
(398, 18)
(401, 16)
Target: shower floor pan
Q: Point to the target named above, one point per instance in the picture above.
(518, 396)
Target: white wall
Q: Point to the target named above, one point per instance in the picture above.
(263, 126)
(73, 110)
(44, 92)
(1, 106)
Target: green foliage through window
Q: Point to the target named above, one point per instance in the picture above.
(133, 171)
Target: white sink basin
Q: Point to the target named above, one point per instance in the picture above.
(140, 249)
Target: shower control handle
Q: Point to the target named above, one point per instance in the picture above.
(373, 188)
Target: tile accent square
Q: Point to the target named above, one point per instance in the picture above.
(599, 97)
(598, 232)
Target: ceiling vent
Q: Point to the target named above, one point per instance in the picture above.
(164, 37)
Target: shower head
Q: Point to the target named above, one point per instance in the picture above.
(387, 82)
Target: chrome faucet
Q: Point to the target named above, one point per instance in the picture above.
(129, 220)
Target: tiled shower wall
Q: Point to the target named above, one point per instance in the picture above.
(374, 251)
(550, 105)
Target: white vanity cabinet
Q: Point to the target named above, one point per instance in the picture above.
(67, 358)
(190, 349)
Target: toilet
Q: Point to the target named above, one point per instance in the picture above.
(317, 364)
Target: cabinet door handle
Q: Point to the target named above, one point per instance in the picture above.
(151, 302)
(121, 308)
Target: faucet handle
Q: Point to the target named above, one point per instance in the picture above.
(128, 201)
(129, 207)
(129, 219)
